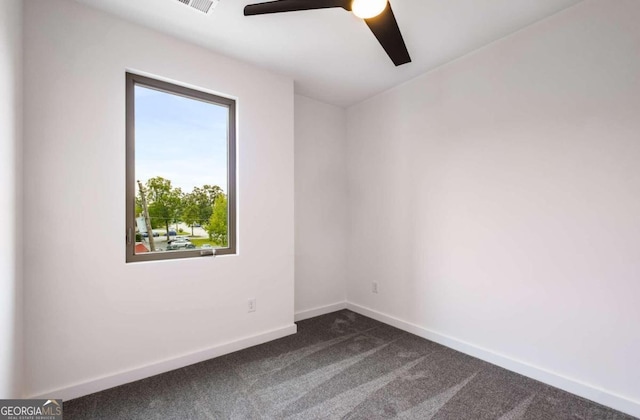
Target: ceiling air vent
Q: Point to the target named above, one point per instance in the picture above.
(204, 6)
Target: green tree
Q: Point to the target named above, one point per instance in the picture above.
(191, 211)
(208, 196)
(165, 202)
(198, 205)
(217, 226)
(138, 206)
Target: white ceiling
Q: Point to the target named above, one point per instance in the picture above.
(331, 54)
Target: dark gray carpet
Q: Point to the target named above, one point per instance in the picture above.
(340, 365)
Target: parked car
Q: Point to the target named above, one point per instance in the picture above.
(175, 245)
(172, 233)
(180, 243)
(146, 235)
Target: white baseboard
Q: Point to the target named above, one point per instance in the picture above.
(120, 378)
(322, 310)
(585, 390)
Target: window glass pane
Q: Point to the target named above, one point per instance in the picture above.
(181, 149)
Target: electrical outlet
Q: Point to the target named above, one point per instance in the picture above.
(374, 287)
(252, 305)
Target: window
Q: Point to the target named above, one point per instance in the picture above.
(180, 171)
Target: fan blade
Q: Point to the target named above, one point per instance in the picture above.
(293, 5)
(385, 28)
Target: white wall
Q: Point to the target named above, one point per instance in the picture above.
(90, 315)
(496, 200)
(11, 201)
(321, 207)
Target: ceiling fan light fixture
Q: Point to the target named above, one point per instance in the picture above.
(384, 25)
(367, 9)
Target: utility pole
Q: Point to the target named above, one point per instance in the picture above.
(147, 220)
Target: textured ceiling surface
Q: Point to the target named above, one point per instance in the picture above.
(331, 54)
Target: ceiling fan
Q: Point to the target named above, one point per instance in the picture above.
(377, 14)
